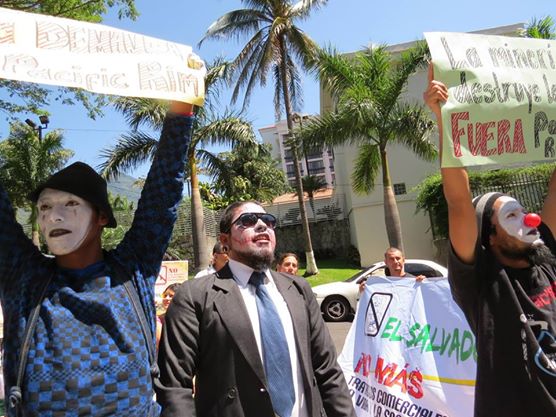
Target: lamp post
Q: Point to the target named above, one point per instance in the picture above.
(44, 121)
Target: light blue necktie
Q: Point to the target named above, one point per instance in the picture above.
(275, 350)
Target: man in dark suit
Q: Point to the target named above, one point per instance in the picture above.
(254, 339)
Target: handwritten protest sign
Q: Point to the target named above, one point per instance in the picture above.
(502, 98)
(56, 51)
(171, 272)
(410, 351)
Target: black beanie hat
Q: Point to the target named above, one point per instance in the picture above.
(483, 205)
(83, 181)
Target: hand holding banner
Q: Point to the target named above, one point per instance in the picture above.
(57, 51)
(502, 98)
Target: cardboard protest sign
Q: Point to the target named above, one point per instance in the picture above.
(502, 98)
(171, 272)
(410, 351)
(57, 51)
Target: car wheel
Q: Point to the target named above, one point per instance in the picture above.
(335, 308)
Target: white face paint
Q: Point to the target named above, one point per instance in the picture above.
(511, 216)
(64, 220)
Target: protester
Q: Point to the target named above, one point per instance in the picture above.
(502, 273)
(254, 339)
(288, 262)
(167, 296)
(218, 260)
(395, 267)
(91, 347)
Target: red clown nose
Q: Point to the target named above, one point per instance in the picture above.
(532, 220)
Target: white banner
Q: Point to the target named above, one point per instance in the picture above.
(410, 352)
(57, 51)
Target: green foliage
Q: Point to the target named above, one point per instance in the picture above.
(25, 162)
(543, 28)
(249, 173)
(86, 10)
(528, 185)
(31, 98)
(123, 212)
(275, 47)
(372, 114)
(331, 270)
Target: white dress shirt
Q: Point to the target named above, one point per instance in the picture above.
(241, 274)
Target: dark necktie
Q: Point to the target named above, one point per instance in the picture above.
(275, 350)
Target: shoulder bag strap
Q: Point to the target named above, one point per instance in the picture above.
(141, 316)
(145, 328)
(15, 395)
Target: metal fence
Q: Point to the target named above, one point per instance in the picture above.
(287, 214)
(323, 209)
(529, 190)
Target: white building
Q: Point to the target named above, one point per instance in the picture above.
(318, 163)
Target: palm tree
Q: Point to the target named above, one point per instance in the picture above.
(26, 162)
(277, 44)
(312, 184)
(371, 115)
(543, 28)
(138, 147)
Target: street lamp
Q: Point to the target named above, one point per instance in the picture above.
(44, 120)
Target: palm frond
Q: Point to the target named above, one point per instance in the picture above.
(366, 167)
(131, 150)
(234, 24)
(542, 28)
(226, 130)
(139, 111)
(412, 129)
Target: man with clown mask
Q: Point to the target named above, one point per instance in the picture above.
(79, 325)
(502, 272)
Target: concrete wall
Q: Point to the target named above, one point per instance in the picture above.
(328, 237)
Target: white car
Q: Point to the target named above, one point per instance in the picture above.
(338, 300)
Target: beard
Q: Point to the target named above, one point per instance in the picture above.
(259, 260)
(535, 254)
(541, 255)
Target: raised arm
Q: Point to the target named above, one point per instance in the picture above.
(156, 212)
(461, 214)
(549, 209)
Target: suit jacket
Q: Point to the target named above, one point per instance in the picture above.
(208, 334)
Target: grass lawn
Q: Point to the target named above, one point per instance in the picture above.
(331, 270)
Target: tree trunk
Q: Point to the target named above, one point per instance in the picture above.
(311, 267)
(391, 213)
(200, 249)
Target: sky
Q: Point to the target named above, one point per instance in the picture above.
(348, 25)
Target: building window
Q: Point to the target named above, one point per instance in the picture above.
(316, 167)
(399, 189)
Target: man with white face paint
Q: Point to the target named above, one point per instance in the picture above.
(502, 272)
(89, 351)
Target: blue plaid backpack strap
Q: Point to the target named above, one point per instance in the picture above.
(141, 316)
(15, 396)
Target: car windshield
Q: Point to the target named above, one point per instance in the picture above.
(361, 274)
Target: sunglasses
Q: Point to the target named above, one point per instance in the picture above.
(251, 219)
